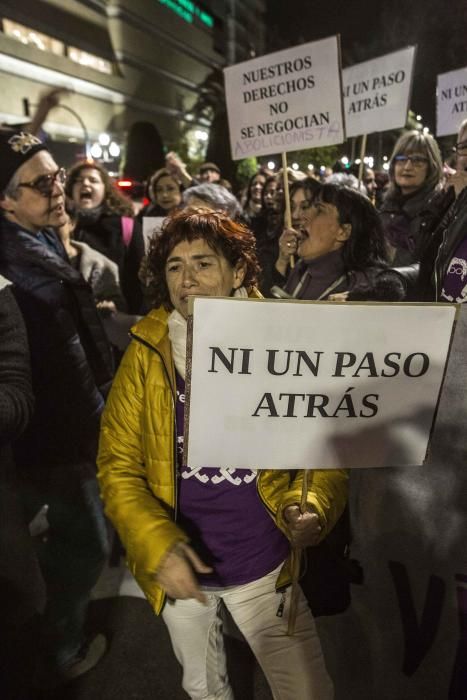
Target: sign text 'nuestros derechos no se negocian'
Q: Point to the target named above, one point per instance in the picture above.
(291, 384)
(285, 101)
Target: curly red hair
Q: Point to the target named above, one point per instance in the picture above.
(234, 241)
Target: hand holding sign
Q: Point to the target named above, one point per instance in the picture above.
(288, 243)
(304, 528)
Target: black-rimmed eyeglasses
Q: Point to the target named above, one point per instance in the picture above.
(417, 161)
(461, 146)
(44, 184)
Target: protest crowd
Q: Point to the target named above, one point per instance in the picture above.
(93, 353)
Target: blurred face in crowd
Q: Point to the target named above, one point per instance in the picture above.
(256, 188)
(193, 267)
(370, 183)
(321, 231)
(269, 196)
(39, 199)
(167, 193)
(88, 189)
(209, 175)
(410, 171)
(461, 160)
(299, 206)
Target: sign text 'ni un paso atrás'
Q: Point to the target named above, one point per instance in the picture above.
(451, 101)
(377, 92)
(285, 101)
(279, 384)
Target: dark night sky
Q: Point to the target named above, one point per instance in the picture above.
(372, 28)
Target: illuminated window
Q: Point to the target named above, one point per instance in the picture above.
(89, 60)
(31, 37)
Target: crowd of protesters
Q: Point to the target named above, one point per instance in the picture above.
(75, 276)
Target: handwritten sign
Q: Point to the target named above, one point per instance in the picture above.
(279, 384)
(377, 93)
(285, 101)
(451, 101)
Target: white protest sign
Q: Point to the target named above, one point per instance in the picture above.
(285, 101)
(280, 384)
(451, 101)
(377, 93)
(152, 226)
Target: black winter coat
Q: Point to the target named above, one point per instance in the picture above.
(105, 234)
(441, 246)
(70, 357)
(406, 222)
(16, 397)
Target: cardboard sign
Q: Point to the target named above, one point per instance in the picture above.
(152, 226)
(451, 101)
(377, 93)
(293, 385)
(285, 101)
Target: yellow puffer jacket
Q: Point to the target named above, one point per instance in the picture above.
(137, 461)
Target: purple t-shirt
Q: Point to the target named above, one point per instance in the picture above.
(455, 280)
(228, 525)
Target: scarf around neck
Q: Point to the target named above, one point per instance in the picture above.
(178, 331)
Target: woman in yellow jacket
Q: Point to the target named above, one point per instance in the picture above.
(197, 539)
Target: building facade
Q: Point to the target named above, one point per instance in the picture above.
(123, 61)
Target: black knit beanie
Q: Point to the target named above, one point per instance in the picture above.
(16, 148)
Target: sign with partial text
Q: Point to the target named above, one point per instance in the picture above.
(451, 101)
(377, 93)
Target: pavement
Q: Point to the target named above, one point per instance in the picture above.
(139, 663)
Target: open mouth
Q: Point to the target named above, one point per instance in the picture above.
(85, 196)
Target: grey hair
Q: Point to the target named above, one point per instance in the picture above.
(416, 142)
(348, 180)
(12, 187)
(216, 197)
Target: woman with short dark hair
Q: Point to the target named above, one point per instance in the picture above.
(341, 250)
(199, 539)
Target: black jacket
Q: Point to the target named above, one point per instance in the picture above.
(441, 246)
(327, 275)
(407, 221)
(70, 357)
(16, 397)
(105, 234)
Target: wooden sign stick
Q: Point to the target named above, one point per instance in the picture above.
(287, 215)
(362, 156)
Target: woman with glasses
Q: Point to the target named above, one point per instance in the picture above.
(410, 204)
(104, 220)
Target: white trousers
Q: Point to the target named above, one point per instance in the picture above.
(294, 666)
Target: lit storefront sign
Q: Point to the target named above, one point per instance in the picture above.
(189, 11)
